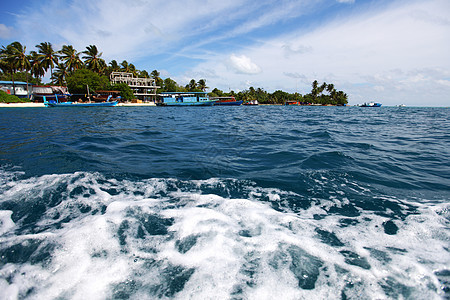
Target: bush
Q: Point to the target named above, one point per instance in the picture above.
(7, 98)
(125, 91)
(78, 81)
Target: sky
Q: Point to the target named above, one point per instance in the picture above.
(393, 52)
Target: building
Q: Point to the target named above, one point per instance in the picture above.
(20, 88)
(143, 89)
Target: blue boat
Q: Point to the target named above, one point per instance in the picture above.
(185, 99)
(56, 103)
(371, 104)
(227, 101)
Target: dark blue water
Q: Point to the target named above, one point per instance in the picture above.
(225, 202)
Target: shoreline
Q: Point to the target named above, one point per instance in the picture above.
(22, 104)
(32, 104)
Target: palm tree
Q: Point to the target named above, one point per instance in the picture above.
(128, 68)
(192, 85)
(93, 60)
(8, 62)
(59, 76)
(315, 90)
(155, 75)
(144, 74)
(201, 84)
(3, 65)
(114, 66)
(330, 88)
(125, 66)
(341, 98)
(47, 56)
(36, 67)
(133, 69)
(22, 60)
(323, 87)
(71, 58)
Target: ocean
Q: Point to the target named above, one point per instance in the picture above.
(257, 202)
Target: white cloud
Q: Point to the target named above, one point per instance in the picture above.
(123, 29)
(346, 1)
(5, 31)
(388, 54)
(243, 65)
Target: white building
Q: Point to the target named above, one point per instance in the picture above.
(20, 88)
(143, 88)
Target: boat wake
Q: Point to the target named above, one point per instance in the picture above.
(86, 236)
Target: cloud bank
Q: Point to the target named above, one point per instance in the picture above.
(394, 55)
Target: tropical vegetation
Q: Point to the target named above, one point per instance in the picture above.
(6, 98)
(76, 70)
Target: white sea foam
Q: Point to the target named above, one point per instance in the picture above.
(166, 238)
(6, 224)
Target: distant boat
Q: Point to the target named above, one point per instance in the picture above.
(227, 101)
(185, 99)
(251, 102)
(401, 105)
(294, 103)
(56, 103)
(371, 104)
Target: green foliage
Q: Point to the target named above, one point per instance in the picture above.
(216, 93)
(201, 85)
(47, 56)
(125, 91)
(169, 85)
(78, 80)
(93, 60)
(326, 94)
(6, 98)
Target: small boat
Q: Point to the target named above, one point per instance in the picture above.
(251, 102)
(371, 104)
(227, 101)
(294, 103)
(185, 99)
(56, 103)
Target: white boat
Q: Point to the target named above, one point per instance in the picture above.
(371, 104)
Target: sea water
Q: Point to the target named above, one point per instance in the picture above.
(225, 203)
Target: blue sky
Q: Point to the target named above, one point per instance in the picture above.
(395, 52)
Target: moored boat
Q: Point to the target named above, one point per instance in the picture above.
(185, 99)
(226, 101)
(371, 104)
(56, 103)
(251, 102)
(50, 92)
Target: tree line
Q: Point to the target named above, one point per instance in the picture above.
(74, 69)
